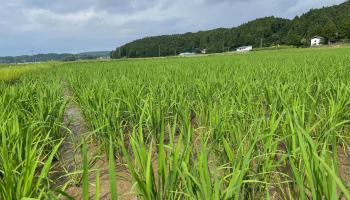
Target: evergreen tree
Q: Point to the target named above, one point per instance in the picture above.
(329, 31)
(345, 29)
(296, 40)
(290, 36)
(198, 50)
(319, 30)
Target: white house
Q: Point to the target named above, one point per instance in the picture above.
(245, 48)
(316, 40)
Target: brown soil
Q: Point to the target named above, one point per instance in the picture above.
(79, 127)
(343, 166)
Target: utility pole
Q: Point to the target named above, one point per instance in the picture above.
(33, 56)
(119, 52)
(159, 50)
(76, 58)
(223, 47)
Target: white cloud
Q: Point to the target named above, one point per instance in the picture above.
(302, 6)
(61, 26)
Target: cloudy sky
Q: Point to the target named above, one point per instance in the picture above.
(64, 26)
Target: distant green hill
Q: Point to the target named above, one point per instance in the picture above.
(49, 56)
(36, 58)
(271, 30)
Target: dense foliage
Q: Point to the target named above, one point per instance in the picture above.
(80, 57)
(35, 58)
(323, 22)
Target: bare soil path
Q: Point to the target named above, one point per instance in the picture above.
(79, 127)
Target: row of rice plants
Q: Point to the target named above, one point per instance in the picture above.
(225, 127)
(31, 115)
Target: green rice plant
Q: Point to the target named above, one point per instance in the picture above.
(112, 176)
(273, 48)
(8, 74)
(31, 113)
(19, 171)
(239, 126)
(147, 184)
(86, 172)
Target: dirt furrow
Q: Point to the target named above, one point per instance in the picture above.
(73, 161)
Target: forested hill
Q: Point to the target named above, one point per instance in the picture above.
(271, 30)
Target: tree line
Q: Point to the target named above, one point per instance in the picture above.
(332, 23)
(52, 56)
(34, 58)
(81, 57)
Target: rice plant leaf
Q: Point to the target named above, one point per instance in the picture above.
(112, 176)
(64, 194)
(97, 185)
(86, 172)
(334, 176)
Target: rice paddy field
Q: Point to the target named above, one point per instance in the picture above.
(12, 72)
(247, 126)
